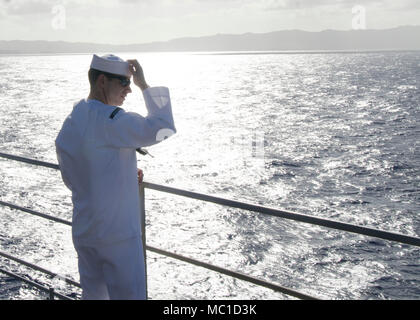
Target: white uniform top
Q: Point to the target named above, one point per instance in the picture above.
(97, 159)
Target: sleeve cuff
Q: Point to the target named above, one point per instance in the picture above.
(156, 91)
(156, 97)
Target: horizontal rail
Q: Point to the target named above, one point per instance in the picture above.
(30, 161)
(38, 268)
(386, 235)
(36, 285)
(233, 274)
(290, 215)
(35, 213)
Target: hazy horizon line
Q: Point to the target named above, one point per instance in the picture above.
(215, 34)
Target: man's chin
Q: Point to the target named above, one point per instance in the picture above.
(119, 103)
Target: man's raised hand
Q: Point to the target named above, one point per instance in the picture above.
(138, 75)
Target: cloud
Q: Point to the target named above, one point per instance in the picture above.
(28, 7)
(408, 5)
(22, 7)
(311, 4)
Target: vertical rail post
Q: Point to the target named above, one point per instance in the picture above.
(143, 227)
(51, 293)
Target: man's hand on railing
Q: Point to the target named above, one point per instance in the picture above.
(140, 175)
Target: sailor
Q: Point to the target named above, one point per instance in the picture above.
(96, 151)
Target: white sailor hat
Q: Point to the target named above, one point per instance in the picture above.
(111, 64)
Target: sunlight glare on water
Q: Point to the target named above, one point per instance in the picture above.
(331, 135)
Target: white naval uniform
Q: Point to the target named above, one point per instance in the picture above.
(97, 159)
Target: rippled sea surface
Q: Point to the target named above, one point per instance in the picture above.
(331, 135)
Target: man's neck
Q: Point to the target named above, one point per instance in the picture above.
(93, 95)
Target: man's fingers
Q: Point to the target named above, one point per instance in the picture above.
(134, 63)
(131, 68)
(140, 175)
(137, 72)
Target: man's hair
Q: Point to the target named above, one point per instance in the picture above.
(93, 75)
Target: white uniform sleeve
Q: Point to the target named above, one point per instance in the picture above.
(131, 130)
(63, 174)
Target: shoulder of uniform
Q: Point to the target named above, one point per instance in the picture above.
(114, 113)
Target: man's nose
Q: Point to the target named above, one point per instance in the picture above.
(128, 89)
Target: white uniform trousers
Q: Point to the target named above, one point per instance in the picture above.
(114, 271)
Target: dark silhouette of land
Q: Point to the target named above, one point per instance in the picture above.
(401, 38)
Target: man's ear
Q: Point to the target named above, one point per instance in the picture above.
(101, 81)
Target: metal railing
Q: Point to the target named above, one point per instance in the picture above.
(391, 236)
(49, 290)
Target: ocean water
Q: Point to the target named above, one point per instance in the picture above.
(334, 135)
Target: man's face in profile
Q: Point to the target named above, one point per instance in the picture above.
(116, 89)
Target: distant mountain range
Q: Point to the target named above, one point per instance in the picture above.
(401, 38)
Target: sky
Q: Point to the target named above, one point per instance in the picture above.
(141, 21)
